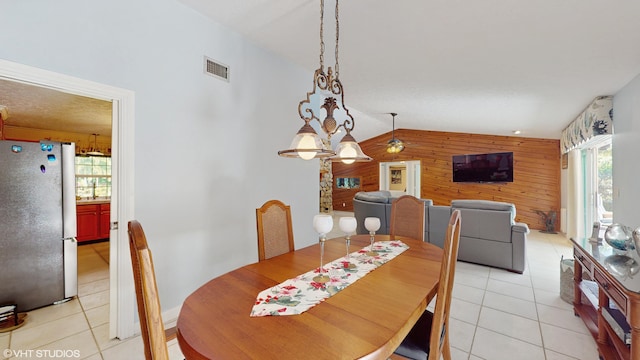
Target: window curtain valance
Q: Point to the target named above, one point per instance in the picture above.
(596, 119)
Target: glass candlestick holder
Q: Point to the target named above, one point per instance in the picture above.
(372, 224)
(348, 225)
(322, 224)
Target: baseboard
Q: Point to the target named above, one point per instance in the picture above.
(171, 316)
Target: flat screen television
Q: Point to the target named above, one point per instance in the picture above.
(483, 168)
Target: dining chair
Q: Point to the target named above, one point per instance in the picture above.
(429, 337)
(154, 335)
(275, 233)
(407, 217)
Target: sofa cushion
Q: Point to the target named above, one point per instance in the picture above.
(381, 196)
(485, 224)
(485, 205)
(486, 252)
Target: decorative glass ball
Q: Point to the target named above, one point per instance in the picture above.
(636, 239)
(618, 236)
(621, 265)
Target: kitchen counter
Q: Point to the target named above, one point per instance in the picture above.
(92, 201)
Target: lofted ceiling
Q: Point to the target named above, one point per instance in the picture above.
(38, 107)
(491, 66)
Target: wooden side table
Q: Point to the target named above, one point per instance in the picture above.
(614, 287)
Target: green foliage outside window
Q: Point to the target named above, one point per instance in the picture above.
(93, 176)
(605, 176)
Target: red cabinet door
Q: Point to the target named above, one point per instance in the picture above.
(105, 221)
(87, 219)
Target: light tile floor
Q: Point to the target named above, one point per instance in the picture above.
(495, 314)
(79, 328)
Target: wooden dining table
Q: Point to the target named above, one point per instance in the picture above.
(368, 319)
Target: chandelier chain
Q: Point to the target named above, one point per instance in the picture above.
(337, 66)
(321, 34)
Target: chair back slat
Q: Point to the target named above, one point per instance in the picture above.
(439, 338)
(407, 217)
(275, 233)
(149, 310)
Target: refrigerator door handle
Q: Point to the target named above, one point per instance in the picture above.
(70, 248)
(69, 190)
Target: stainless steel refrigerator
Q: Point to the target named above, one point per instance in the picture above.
(38, 249)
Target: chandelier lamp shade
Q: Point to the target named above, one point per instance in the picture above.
(394, 145)
(306, 145)
(326, 102)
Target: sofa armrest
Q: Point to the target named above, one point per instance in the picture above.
(520, 227)
(519, 233)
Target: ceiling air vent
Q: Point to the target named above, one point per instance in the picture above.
(216, 69)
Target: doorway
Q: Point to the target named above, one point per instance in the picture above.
(598, 186)
(401, 177)
(590, 188)
(121, 294)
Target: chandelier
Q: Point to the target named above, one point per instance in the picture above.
(94, 150)
(326, 98)
(394, 145)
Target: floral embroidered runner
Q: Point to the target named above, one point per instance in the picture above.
(297, 295)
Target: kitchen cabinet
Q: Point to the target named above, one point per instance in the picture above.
(105, 217)
(93, 221)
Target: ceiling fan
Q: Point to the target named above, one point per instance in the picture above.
(394, 145)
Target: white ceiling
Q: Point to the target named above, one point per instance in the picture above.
(490, 66)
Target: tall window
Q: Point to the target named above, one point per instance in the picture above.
(604, 181)
(93, 177)
(598, 185)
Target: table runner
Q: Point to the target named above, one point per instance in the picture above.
(297, 295)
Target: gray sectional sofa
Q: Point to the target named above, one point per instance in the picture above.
(378, 204)
(489, 234)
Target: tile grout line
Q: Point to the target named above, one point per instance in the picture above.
(93, 334)
(475, 329)
(535, 302)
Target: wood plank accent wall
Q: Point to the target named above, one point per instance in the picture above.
(536, 184)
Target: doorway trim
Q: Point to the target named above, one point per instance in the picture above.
(121, 293)
(413, 175)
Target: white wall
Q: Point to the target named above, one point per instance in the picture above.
(564, 194)
(626, 147)
(205, 150)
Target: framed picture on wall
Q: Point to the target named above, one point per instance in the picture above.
(396, 176)
(348, 183)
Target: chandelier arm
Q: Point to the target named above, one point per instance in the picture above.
(307, 144)
(329, 135)
(347, 125)
(320, 80)
(337, 66)
(322, 35)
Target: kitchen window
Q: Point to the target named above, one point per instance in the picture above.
(93, 177)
